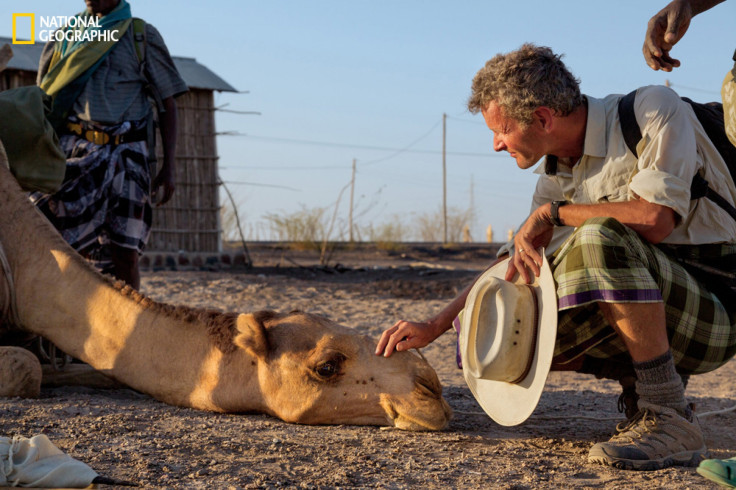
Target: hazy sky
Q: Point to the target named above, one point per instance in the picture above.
(341, 80)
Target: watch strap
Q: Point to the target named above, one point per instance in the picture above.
(555, 212)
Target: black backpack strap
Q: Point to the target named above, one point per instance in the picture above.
(141, 45)
(627, 118)
(632, 135)
(714, 196)
(699, 187)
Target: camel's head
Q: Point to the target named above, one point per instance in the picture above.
(313, 371)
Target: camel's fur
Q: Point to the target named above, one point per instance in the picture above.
(21, 373)
(256, 362)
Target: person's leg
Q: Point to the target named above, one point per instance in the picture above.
(642, 326)
(621, 296)
(664, 431)
(125, 265)
(129, 220)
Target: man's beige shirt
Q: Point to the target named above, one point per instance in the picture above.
(674, 147)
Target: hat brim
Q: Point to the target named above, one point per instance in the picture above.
(506, 403)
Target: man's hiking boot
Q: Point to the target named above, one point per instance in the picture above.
(657, 437)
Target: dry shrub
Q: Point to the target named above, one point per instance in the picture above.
(306, 227)
(430, 225)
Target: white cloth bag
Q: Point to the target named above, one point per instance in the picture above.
(36, 462)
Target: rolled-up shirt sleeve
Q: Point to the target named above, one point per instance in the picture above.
(668, 154)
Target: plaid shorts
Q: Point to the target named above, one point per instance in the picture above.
(605, 261)
(105, 196)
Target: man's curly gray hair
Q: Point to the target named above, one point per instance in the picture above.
(523, 80)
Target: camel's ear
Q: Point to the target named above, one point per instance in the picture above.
(252, 336)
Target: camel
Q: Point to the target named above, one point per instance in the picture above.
(298, 367)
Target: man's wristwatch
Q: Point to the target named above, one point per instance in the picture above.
(555, 212)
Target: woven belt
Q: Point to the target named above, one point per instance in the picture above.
(104, 138)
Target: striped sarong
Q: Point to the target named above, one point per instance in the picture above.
(605, 261)
(105, 197)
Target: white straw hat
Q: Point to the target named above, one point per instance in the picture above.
(507, 340)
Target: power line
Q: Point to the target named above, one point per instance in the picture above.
(359, 147)
(232, 111)
(257, 184)
(405, 149)
(468, 121)
(272, 167)
(678, 86)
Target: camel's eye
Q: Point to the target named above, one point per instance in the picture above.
(330, 368)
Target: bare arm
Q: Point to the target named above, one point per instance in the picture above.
(405, 335)
(165, 178)
(667, 27)
(653, 222)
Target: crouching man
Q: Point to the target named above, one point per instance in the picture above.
(643, 273)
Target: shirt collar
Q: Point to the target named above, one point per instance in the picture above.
(595, 129)
(595, 135)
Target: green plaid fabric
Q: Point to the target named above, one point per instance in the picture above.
(607, 261)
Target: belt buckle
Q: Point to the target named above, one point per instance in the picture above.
(97, 137)
(75, 128)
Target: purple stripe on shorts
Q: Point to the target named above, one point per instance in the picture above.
(613, 296)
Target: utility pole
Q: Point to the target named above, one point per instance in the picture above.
(352, 194)
(444, 177)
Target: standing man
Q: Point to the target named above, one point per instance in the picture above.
(615, 226)
(101, 73)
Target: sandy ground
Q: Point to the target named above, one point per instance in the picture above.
(129, 436)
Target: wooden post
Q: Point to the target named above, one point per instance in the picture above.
(444, 177)
(6, 53)
(352, 196)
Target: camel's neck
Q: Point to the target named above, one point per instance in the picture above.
(62, 298)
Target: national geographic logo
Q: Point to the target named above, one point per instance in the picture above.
(52, 28)
(24, 23)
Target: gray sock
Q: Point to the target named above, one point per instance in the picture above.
(657, 382)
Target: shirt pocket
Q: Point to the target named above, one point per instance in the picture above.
(609, 182)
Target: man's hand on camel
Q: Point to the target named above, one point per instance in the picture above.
(404, 336)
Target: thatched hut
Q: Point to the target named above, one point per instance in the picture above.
(190, 222)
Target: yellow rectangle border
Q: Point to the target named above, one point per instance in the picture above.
(33, 29)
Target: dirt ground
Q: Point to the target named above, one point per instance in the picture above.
(128, 436)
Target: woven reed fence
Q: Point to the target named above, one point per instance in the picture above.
(190, 221)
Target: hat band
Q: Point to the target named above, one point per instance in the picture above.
(533, 346)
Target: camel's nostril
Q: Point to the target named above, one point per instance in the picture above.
(428, 388)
